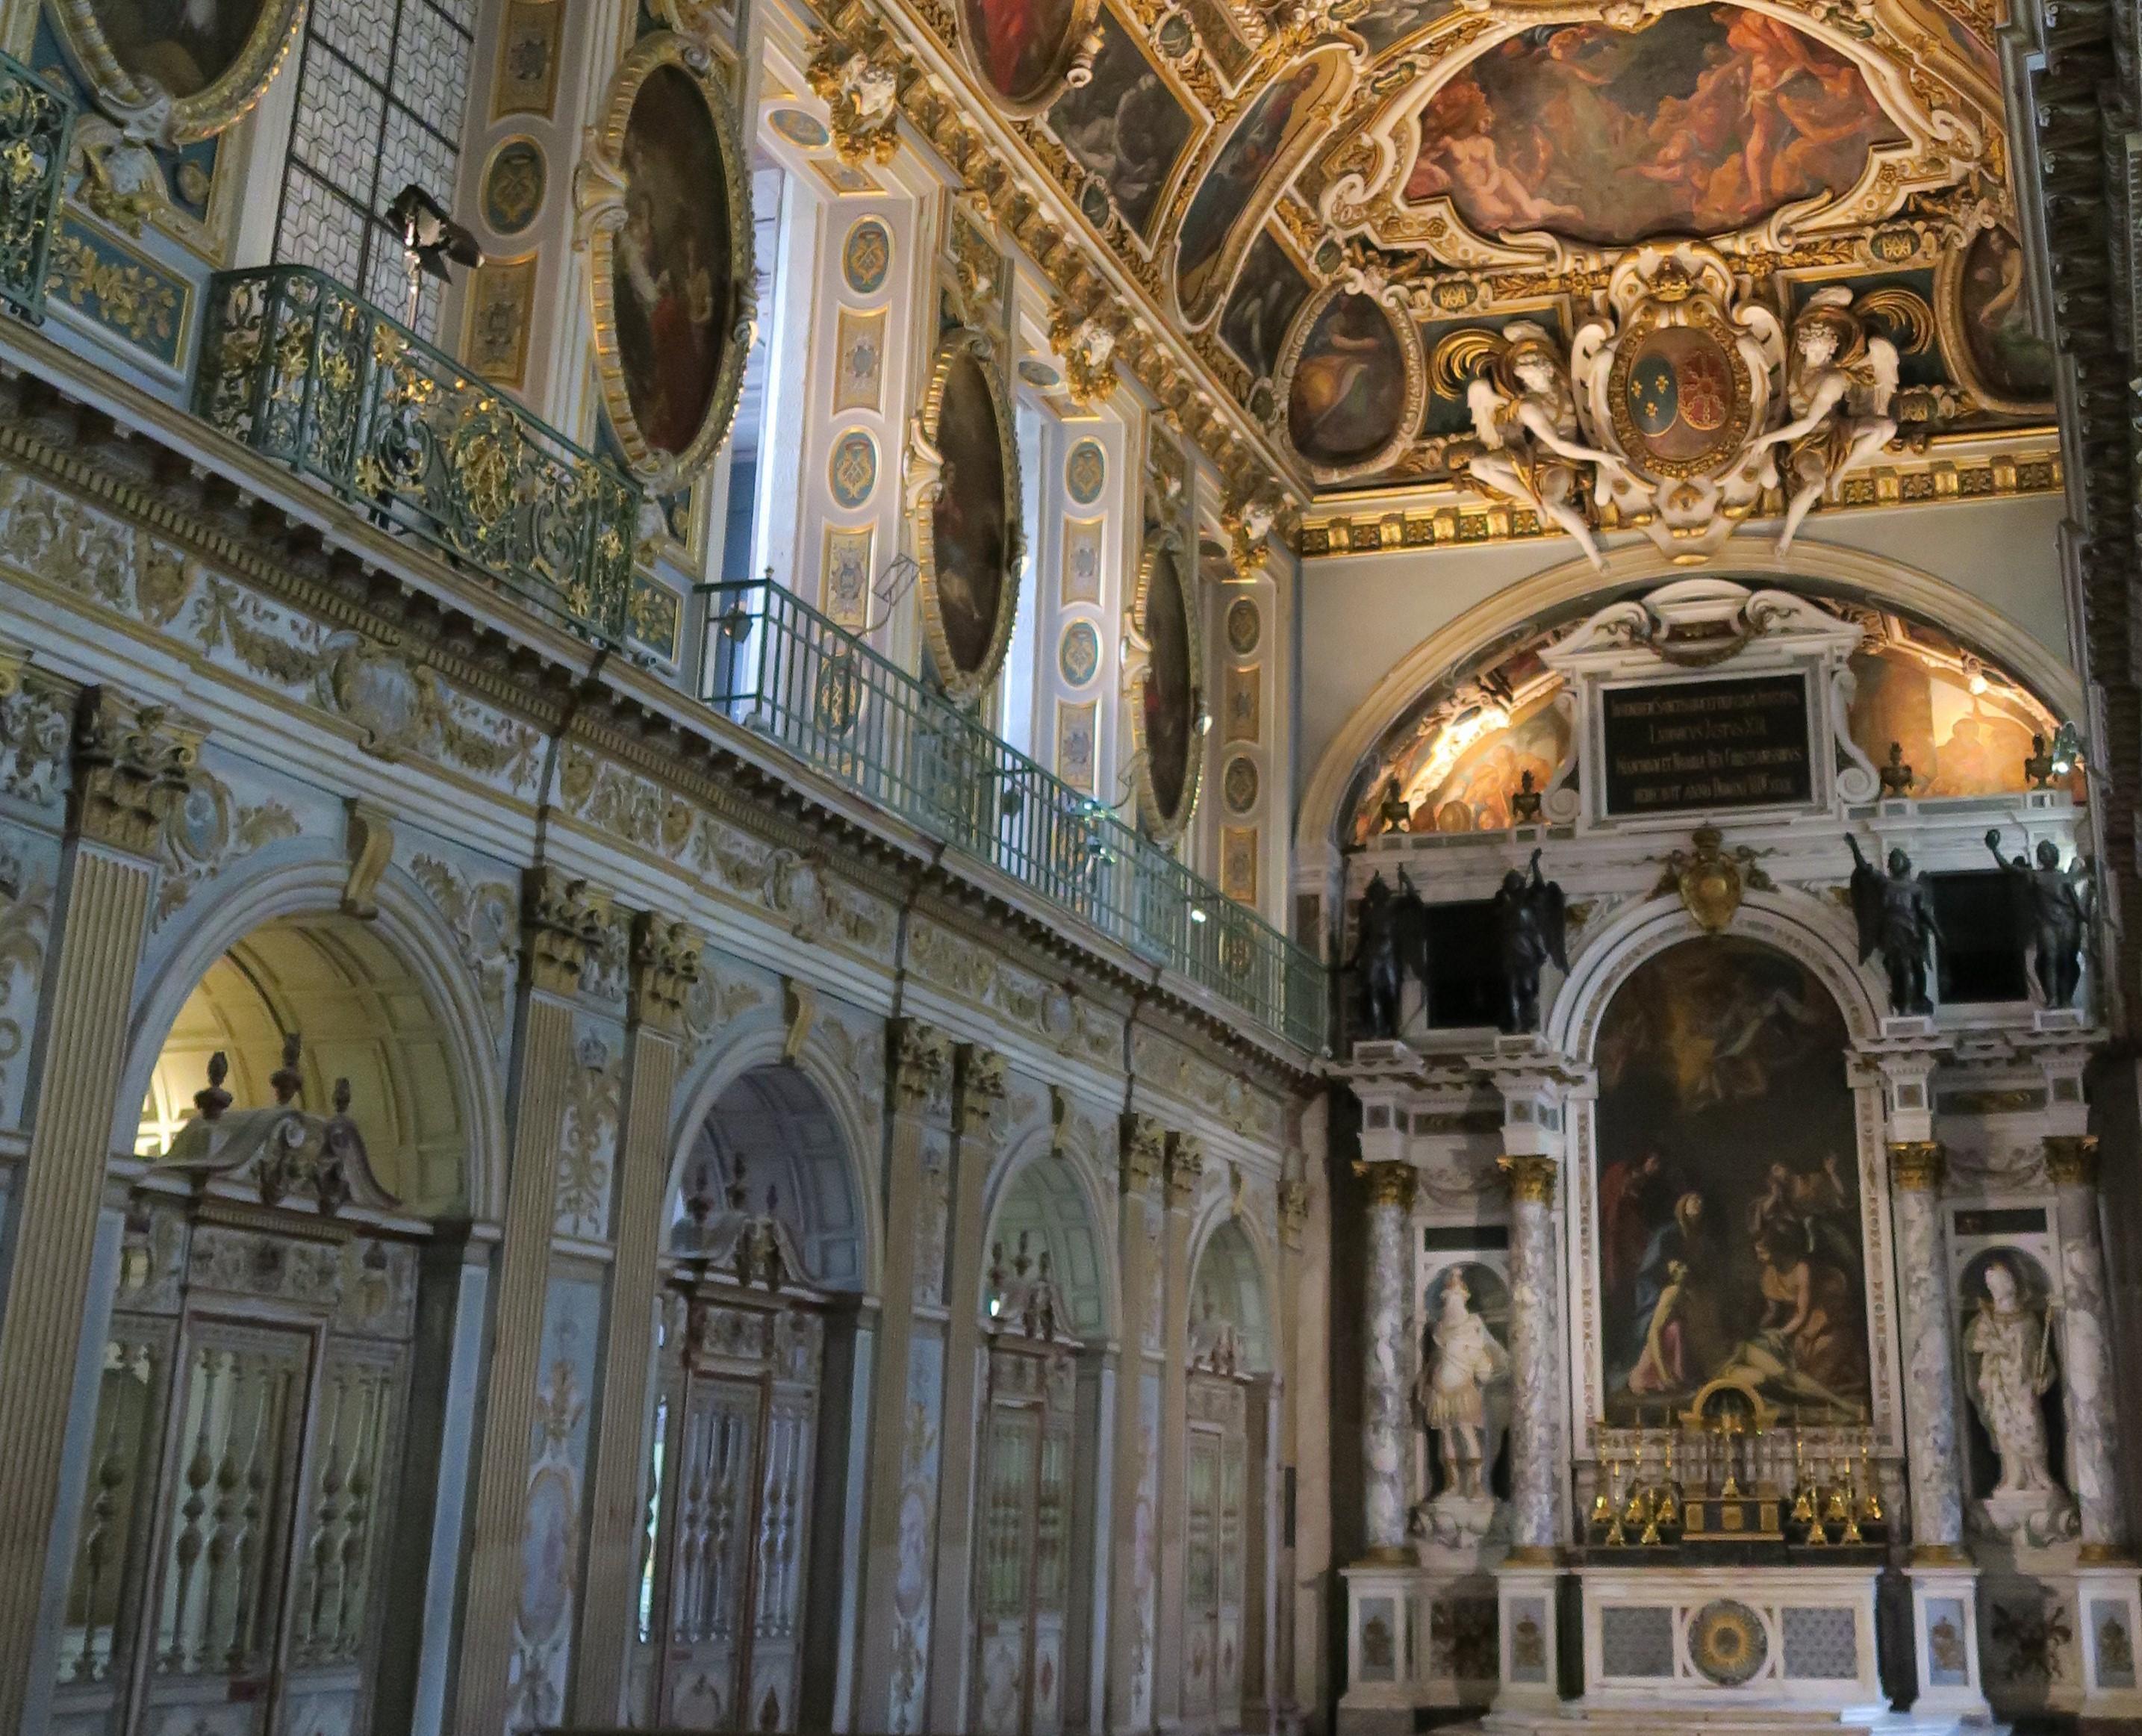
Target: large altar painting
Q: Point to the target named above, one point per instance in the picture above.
(1703, 123)
(1729, 1236)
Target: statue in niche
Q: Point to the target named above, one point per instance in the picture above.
(1452, 1390)
(2056, 917)
(1843, 380)
(1531, 932)
(1895, 913)
(2011, 1346)
(1389, 939)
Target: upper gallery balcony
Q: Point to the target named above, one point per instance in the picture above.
(406, 444)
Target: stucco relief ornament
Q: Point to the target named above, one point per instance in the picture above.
(1525, 418)
(1677, 378)
(864, 97)
(1085, 342)
(1843, 382)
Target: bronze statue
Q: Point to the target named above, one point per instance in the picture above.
(1895, 913)
(1532, 930)
(1390, 938)
(1394, 813)
(2056, 918)
(1897, 778)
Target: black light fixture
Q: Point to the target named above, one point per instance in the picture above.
(429, 238)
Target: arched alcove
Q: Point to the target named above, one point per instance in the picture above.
(332, 981)
(1229, 1290)
(1042, 1205)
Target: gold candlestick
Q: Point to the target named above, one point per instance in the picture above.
(1603, 1502)
(1870, 1500)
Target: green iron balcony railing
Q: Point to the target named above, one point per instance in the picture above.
(787, 672)
(35, 122)
(302, 371)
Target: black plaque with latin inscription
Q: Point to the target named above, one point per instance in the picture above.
(1740, 742)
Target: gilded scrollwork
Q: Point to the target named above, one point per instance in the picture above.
(160, 93)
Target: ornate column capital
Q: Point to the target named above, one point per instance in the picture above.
(563, 917)
(665, 965)
(132, 763)
(1145, 1151)
(1916, 1164)
(921, 1067)
(2071, 1159)
(1389, 1183)
(1530, 1176)
(1185, 1167)
(981, 1088)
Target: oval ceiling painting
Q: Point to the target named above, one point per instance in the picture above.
(1168, 697)
(1021, 49)
(1702, 123)
(970, 538)
(1346, 391)
(211, 57)
(675, 264)
(2009, 364)
(1247, 175)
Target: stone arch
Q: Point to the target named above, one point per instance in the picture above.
(821, 1157)
(389, 1002)
(1630, 571)
(1052, 1201)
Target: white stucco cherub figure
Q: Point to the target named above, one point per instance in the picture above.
(1843, 380)
(1526, 419)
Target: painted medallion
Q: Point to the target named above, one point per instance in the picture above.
(1346, 393)
(1704, 121)
(2010, 364)
(1022, 49)
(1168, 697)
(672, 252)
(971, 539)
(213, 58)
(867, 257)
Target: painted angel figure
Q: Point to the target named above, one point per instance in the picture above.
(1843, 378)
(1526, 417)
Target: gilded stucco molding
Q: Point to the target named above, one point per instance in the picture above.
(563, 919)
(665, 966)
(133, 764)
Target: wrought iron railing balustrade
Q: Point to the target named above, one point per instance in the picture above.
(780, 667)
(35, 123)
(301, 370)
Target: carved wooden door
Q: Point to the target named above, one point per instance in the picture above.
(1021, 1588)
(240, 1487)
(737, 1422)
(1213, 1565)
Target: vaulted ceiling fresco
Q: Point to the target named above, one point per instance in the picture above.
(1343, 207)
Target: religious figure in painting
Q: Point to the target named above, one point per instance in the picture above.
(1843, 380)
(184, 45)
(970, 530)
(1017, 43)
(1895, 913)
(1707, 120)
(2011, 1347)
(2007, 356)
(1531, 933)
(1525, 418)
(1168, 697)
(670, 282)
(1452, 1391)
(1123, 126)
(1348, 389)
(1729, 1226)
(1227, 192)
(2056, 918)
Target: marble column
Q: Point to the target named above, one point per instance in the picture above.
(1388, 1358)
(1134, 1482)
(1535, 1401)
(666, 965)
(1935, 1457)
(1183, 1175)
(2086, 1386)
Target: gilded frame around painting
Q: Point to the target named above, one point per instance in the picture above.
(224, 103)
(600, 184)
(1163, 827)
(922, 492)
(1955, 338)
(1409, 413)
(1084, 16)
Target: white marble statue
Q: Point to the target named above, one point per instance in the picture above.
(1453, 1389)
(1526, 418)
(2011, 1343)
(1843, 379)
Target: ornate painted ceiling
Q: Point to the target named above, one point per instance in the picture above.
(1341, 209)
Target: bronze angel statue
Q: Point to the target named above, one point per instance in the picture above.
(1895, 913)
(1390, 942)
(1843, 379)
(1525, 418)
(1532, 930)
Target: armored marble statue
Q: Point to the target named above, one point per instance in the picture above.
(1452, 1392)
